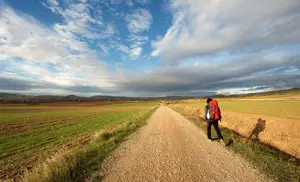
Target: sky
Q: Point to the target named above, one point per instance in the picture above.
(148, 47)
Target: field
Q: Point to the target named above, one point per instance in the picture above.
(31, 134)
(68, 141)
(282, 126)
(240, 126)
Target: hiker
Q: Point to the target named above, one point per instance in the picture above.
(212, 116)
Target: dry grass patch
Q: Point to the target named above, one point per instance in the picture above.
(277, 164)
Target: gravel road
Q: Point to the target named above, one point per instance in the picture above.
(170, 148)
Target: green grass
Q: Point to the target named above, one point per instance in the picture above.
(26, 137)
(282, 109)
(48, 133)
(277, 165)
(80, 164)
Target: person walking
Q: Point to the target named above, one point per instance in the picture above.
(213, 116)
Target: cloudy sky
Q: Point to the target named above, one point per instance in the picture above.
(148, 47)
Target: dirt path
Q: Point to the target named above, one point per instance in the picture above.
(170, 148)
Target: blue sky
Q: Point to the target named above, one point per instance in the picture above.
(147, 47)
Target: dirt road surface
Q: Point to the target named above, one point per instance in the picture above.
(170, 148)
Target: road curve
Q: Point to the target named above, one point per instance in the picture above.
(170, 148)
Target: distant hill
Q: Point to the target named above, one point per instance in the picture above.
(276, 93)
(29, 99)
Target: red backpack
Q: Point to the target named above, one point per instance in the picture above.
(214, 111)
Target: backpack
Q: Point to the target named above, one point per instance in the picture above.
(214, 110)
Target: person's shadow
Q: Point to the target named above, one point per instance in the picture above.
(259, 127)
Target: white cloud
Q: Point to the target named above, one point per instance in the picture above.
(117, 2)
(261, 71)
(133, 52)
(61, 59)
(104, 49)
(155, 53)
(113, 2)
(78, 20)
(136, 52)
(206, 27)
(124, 48)
(143, 2)
(139, 21)
(129, 3)
(138, 40)
(41, 49)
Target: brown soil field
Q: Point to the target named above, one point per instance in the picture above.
(85, 103)
(59, 106)
(4, 104)
(96, 103)
(53, 107)
(283, 134)
(5, 110)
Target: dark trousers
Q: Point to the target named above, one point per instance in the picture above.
(216, 126)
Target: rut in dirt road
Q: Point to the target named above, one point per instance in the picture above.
(170, 148)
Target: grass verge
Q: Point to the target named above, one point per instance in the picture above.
(274, 163)
(79, 164)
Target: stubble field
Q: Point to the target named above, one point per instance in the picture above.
(264, 131)
(282, 120)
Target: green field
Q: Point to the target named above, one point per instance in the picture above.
(278, 108)
(28, 135)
